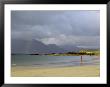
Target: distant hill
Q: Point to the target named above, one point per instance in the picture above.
(90, 49)
(53, 48)
(33, 47)
(19, 46)
(37, 47)
(71, 48)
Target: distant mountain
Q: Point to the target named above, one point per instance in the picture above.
(71, 48)
(53, 48)
(33, 47)
(19, 46)
(91, 49)
(37, 47)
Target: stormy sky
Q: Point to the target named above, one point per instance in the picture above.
(79, 28)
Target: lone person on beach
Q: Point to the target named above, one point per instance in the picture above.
(81, 60)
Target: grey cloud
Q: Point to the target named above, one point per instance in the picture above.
(73, 40)
(59, 27)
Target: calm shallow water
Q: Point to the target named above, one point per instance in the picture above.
(52, 61)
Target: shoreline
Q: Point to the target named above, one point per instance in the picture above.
(69, 71)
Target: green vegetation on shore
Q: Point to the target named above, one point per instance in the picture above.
(81, 52)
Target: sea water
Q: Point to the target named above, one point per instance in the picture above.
(39, 61)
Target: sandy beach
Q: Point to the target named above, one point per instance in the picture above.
(73, 71)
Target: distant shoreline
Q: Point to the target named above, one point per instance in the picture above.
(65, 54)
(61, 54)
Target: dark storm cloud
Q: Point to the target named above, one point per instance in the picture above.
(58, 27)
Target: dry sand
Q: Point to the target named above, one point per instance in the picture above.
(75, 71)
